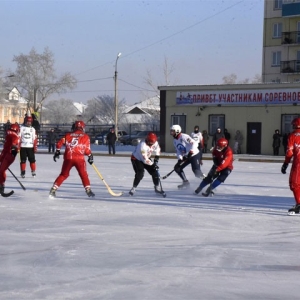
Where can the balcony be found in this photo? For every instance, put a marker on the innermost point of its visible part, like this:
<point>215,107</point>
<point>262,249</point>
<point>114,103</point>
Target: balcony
<point>290,66</point>
<point>290,38</point>
<point>290,8</point>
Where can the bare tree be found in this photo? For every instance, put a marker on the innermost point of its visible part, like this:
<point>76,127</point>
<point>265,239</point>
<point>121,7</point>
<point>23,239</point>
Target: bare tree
<point>101,110</point>
<point>232,79</point>
<point>167,69</point>
<point>60,111</point>
<point>35,75</point>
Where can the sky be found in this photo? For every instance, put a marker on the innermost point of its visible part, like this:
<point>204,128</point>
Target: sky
<point>202,40</point>
<point>238,244</point>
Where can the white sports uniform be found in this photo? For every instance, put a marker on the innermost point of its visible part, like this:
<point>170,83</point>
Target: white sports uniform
<point>185,144</point>
<point>143,152</point>
<point>198,138</point>
<point>28,137</point>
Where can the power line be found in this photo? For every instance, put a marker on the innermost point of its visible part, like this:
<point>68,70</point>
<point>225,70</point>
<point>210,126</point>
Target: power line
<point>168,37</point>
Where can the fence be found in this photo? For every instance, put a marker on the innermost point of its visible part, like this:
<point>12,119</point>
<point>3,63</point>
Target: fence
<point>91,130</point>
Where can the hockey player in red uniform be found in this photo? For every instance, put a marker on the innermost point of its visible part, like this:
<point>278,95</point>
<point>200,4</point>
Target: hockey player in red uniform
<point>293,151</point>
<point>77,145</point>
<point>223,165</point>
<point>9,152</point>
<point>28,146</point>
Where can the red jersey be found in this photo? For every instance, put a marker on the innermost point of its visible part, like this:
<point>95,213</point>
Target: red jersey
<point>293,151</point>
<point>12,139</point>
<point>223,159</point>
<point>77,145</point>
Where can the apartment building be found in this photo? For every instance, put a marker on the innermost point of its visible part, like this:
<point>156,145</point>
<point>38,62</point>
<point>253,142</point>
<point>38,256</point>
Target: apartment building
<point>281,41</point>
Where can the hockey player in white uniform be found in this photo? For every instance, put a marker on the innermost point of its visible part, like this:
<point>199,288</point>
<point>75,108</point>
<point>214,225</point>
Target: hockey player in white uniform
<point>187,153</point>
<point>197,137</point>
<point>141,161</point>
<point>28,141</point>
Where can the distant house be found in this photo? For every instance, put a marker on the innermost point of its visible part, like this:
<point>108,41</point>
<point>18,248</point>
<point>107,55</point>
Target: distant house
<point>136,112</point>
<point>12,106</point>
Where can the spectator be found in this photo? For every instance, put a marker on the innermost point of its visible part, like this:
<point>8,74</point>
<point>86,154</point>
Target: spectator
<point>227,135</point>
<point>205,140</point>
<point>111,141</point>
<point>218,134</point>
<point>285,141</point>
<point>6,126</point>
<point>36,124</point>
<point>52,137</point>
<point>276,142</point>
<point>238,141</point>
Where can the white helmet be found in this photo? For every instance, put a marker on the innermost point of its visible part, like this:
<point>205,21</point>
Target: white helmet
<point>176,128</point>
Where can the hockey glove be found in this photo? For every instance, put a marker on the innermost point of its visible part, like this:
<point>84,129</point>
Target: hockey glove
<point>189,155</point>
<point>14,151</point>
<point>56,155</point>
<point>155,163</point>
<point>283,168</point>
<point>178,165</point>
<point>91,159</point>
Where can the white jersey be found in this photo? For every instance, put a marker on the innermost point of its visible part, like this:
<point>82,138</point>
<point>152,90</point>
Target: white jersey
<point>27,137</point>
<point>197,137</point>
<point>143,152</point>
<point>185,144</point>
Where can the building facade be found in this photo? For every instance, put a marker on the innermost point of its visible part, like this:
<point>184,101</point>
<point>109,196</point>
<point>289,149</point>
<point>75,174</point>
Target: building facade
<point>256,110</point>
<point>281,41</point>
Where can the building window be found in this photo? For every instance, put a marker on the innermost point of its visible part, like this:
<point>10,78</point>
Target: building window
<point>286,121</point>
<point>215,121</point>
<point>277,30</point>
<point>277,4</point>
<point>179,120</point>
<point>276,58</point>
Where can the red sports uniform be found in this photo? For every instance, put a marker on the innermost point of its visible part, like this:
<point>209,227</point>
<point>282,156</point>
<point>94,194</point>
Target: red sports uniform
<point>293,150</point>
<point>10,149</point>
<point>223,159</point>
<point>77,144</point>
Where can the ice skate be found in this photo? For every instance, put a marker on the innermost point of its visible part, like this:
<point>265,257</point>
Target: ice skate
<point>197,190</point>
<point>294,210</point>
<point>208,192</point>
<point>185,184</point>
<point>158,190</point>
<point>132,191</point>
<point>33,173</point>
<point>23,174</point>
<point>52,193</point>
<point>89,193</point>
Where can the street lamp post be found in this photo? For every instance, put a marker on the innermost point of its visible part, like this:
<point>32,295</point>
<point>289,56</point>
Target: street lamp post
<point>116,95</point>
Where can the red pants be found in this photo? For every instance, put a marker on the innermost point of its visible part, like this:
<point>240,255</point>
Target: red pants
<point>80,166</point>
<point>6,160</point>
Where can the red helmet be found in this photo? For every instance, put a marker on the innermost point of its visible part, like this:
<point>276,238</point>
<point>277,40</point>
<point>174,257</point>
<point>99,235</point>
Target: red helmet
<point>151,138</point>
<point>221,144</point>
<point>15,127</point>
<point>296,123</point>
<point>28,120</point>
<point>79,125</point>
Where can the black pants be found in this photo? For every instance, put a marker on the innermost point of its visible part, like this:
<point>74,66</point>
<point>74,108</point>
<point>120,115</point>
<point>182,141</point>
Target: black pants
<point>51,147</point>
<point>276,150</point>
<point>139,168</point>
<point>112,148</point>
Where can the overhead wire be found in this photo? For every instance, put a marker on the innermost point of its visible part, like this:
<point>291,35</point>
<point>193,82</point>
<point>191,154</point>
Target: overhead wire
<point>160,41</point>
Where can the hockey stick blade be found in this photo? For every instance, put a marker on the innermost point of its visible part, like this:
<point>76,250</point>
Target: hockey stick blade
<point>107,186</point>
<point>166,176</point>
<point>5,195</point>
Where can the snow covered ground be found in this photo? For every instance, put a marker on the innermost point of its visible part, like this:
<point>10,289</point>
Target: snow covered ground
<point>239,244</point>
